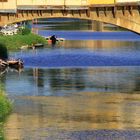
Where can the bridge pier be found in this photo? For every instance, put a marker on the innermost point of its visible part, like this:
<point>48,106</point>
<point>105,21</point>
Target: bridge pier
<point>96,26</point>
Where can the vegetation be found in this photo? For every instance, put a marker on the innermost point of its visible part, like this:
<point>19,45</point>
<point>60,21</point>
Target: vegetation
<point>24,31</point>
<point>23,37</point>
<point>1,132</point>
<point>5,107</point>
<point>18,40</point>
<point>3,52</point>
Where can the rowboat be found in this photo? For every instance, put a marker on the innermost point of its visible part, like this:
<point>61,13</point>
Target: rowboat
<point>15,63</point>
<point>3,64</point>
<point>38,45</point>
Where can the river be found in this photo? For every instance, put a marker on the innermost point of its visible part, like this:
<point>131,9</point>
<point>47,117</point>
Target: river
<point>85,88</point>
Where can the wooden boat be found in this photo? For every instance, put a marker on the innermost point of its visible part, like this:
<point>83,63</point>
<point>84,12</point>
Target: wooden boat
<point>3,70</point>
<point>35,46</point>
<point>15,63</point>
<point>38,45</point>
<point>3,64</point>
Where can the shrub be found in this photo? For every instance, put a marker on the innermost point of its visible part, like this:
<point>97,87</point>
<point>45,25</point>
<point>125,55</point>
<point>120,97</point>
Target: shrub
<point>16,41</point>
<point>5,107</point>
<point>1,133</point>
<point>3,52</point>
<point>26,31</point>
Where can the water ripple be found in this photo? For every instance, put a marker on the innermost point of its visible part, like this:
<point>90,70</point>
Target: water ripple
<point>72,58</point>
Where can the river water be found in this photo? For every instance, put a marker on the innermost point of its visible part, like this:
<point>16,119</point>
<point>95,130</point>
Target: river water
<point>85,88</point>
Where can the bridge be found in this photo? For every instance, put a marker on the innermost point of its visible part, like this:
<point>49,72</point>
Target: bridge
<point>126,15</point>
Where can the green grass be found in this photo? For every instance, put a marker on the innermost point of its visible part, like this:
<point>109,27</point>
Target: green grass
<point>5,107</point>
<point>3,52</point>
<point>1,133</point>
<point>16,41</point>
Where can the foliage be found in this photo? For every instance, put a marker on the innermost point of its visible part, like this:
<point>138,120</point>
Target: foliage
<point>3,51</point>
<point>1,133</point>
<point>24,31</point>
<point>5,106</point>
<point>18,40</point>
<point>5,109</point>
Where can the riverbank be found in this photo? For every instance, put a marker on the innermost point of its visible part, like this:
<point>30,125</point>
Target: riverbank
<point>5,109</point>
<point>16,41</point>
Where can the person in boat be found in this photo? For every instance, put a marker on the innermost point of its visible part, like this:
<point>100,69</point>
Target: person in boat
<point>53,39</point>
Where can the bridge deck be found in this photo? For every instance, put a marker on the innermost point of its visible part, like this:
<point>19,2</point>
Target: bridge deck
<point>49,7</point>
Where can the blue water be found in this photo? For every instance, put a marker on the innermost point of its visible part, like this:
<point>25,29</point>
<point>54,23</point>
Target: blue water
<point>79,58</point>
<point>86,35</point>
<point>75,90</point>
<point>62,57</point>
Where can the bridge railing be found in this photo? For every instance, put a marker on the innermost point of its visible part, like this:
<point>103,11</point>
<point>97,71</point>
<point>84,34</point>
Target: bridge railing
<point>11,6</point>
<point>51,4</point>
<point>8,6</point>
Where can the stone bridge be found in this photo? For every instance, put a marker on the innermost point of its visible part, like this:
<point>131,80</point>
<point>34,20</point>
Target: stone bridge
<point>123,15</point>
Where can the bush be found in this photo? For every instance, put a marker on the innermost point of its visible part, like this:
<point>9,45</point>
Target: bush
<point>16,41</point>
<point>3,52</point>
<point>26,31</point>
<point>1,133</point>
<point>5,107</point>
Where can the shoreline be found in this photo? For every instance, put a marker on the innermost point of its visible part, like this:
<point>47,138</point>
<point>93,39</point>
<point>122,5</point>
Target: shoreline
<point>15,42</point>
<point>5,109</point>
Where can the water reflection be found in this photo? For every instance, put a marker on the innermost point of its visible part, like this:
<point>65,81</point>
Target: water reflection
<point>60,82</point>
<point>63,24</point>
<point>42,117</point>
<point>76,102</point>
<point>102,45</point>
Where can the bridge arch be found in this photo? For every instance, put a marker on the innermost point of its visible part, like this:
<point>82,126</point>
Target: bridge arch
<point>124,18</point>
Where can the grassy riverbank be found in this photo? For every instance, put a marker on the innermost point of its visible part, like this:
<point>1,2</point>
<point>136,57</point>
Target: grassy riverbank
<point>1,132</point>
<point>18,40</point>
<point>5,109</point>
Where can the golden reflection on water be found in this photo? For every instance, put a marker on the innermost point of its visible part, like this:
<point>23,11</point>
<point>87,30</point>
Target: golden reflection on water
<point>36,117</point>
<point>99,44</point>
<point>39,116</point>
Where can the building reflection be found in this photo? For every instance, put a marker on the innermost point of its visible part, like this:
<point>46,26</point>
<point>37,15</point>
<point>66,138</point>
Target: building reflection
<point>100,45</point>
<point>50,101</point>
<point>105,80</point>
<point>40,117</point>
<point>72,100</point>
<point>53,81</point>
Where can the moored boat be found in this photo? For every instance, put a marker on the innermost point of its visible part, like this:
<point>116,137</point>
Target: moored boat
<point>38,45</point>
<point>3,64</point>
<point>15,63</point>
